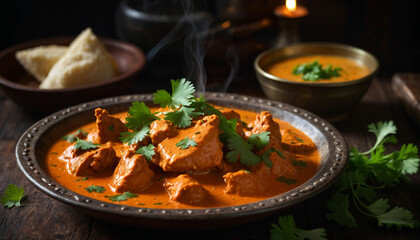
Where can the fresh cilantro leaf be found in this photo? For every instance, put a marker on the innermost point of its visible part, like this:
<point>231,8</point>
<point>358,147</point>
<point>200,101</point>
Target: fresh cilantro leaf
<point>186,143</point>
<point>240,149</point>
<point>300,140</point>
<point>286,229</point>
<point>85,145</point>
<point>12,196</point>
<point>122,197</point>
<point>299,163</point>
<point>259,140</point>
<point>182,91</point>
<point>265,157</point>
<point>134,137</point>
<point>139,115</point>
<point>71,138</point>
<point>378,207</point>
<point>201,105</point>
<point>366,193</point>
<point>313,71</point>
<point>82,179</point>
<point>398,217</point>
<point>182,117</point>
<point>53,165</point>
<point>381,130</point>
<point>147,151</point>
<point>288,181</point>
<point>339,207</point>
<point>94,188</point>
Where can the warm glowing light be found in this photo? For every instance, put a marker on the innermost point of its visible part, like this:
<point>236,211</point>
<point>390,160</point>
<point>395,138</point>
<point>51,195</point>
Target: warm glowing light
<point>291,5</point>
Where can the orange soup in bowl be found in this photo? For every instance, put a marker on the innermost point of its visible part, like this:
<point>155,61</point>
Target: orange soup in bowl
<point>319,68</point>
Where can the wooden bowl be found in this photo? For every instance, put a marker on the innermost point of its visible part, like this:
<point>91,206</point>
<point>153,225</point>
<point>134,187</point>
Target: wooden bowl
<point>23,89</point>
<point>330,100</point>
<point>32,149</point>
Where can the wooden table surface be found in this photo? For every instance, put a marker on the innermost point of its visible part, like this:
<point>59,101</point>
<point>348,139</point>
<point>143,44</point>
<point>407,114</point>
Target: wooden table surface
<point>42,217</point>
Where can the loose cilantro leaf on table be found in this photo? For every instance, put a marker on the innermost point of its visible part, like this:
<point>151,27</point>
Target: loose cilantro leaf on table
<point>94,188</point>
<point>122,197</point>
<point>371,170</point>
<point>147,151</point>
<point>186,143</point>
<point>12,196</point>
<point>313,71</point>
<point>286,229</point>
<point>85,145</point>
<point>71,138</point>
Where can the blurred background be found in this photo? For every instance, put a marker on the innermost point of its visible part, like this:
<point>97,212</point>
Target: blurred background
<point>389,29</point>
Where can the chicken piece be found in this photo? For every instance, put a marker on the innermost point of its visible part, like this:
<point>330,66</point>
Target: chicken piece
<point>296,142</point>
<point>206,154</point>
<point>185,189</point>
<point>230,114</point>
<point>282,166</point>
<point>132,173</point>
<point>264,123</point>
<point>89,162</point>
<point>108,128</point>
<point>160,130</point>
<point>244,183</point>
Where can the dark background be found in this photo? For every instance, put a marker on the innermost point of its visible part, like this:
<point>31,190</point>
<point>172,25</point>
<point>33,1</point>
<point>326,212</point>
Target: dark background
<point>390,29</point>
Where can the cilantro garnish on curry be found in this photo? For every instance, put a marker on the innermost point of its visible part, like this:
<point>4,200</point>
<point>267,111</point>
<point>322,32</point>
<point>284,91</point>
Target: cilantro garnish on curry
<point>183,153</point>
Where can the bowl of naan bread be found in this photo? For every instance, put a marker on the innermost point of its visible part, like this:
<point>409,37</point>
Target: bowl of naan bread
<point>49,74</point>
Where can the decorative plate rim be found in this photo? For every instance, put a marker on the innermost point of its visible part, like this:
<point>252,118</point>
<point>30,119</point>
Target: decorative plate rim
<point>325,176</point>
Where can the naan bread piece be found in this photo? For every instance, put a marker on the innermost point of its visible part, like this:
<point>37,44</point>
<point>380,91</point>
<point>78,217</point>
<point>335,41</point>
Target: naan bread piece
<point>86,62</point>
<point>38,61</point>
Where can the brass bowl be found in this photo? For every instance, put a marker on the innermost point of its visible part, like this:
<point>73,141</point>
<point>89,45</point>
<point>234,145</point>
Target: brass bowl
<point>332,100</point>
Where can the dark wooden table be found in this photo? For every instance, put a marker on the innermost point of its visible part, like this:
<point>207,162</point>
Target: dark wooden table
<point>41,217</point>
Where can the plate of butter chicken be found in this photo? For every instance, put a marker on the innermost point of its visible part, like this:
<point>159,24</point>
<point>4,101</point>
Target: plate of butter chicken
<point>180,158</point>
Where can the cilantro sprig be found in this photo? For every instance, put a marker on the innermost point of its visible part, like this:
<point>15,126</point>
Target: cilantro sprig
<point>186,143</point>
<point>71,138</point>
<point>243,150</point>
<point>313,71</point>
<point>286,229</point>
<point>12,196</point>
<point>121,197</point>
<point>185,106</point>
<point>147,151</point>
<point>95,188</point>
<point>85,145</point>
<point>371,170</point>
<point>139,118</point>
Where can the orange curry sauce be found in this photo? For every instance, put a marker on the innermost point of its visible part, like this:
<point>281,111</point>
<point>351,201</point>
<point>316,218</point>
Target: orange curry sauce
<point>156,196</point>
<point>351,69</point>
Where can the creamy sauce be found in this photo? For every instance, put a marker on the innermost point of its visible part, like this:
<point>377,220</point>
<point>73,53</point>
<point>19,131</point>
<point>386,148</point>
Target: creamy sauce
<point>156,196</point>
<point>352,69</point>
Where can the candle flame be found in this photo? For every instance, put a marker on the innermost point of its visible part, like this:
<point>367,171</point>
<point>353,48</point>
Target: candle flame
<point>291,5</point>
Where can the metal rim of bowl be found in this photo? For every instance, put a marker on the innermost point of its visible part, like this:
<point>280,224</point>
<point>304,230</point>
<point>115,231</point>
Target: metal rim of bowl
<point>326,175</point>
<point>106,41</point>
<point>320,44</point>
